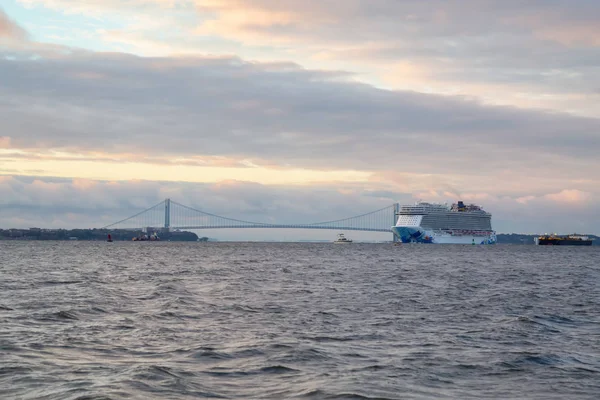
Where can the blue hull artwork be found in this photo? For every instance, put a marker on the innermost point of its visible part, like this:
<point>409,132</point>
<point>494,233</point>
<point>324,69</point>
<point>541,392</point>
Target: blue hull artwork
<point>411,235</point>
<point>419,235</point>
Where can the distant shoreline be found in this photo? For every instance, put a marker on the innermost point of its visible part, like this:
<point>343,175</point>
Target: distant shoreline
<point>185,236</point>
<point>94,234</point>
<point>522,239</point>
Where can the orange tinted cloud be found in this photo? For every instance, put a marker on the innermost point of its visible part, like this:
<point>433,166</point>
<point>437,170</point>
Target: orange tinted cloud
<point>9,29</point>
<point>580,30</point>
<point>586,35</point>
<point>574,197</point>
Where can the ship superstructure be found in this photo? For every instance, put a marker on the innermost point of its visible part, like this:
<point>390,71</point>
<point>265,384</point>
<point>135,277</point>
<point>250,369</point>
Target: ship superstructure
<point>439,223</point>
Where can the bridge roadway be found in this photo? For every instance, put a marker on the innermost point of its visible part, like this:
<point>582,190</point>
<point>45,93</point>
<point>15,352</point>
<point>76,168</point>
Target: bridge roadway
<point>340,228</point>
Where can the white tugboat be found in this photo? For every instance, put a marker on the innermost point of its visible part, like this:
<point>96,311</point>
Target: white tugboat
<point>342,239</point>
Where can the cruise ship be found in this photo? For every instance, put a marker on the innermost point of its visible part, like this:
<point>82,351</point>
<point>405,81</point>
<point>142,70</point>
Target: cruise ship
<point>443,224</point>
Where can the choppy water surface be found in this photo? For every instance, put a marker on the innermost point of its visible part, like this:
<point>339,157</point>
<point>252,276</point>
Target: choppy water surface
<point>309,321</point>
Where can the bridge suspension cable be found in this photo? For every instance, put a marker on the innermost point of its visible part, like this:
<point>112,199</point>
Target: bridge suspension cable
<point>142,219</point>
<point>212,218</point>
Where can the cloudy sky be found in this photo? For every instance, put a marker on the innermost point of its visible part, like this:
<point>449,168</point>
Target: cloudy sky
<point>262,109</point>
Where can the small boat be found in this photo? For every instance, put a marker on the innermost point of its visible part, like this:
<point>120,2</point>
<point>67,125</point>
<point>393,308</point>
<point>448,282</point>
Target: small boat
<point>109,238</point>
<point>342,239</point>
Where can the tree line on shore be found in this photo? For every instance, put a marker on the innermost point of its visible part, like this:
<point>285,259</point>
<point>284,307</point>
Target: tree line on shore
<point>94,234</point>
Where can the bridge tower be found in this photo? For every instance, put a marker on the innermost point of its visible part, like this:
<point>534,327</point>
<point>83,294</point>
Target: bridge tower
<point>395,219</point>
<point>167,213</point>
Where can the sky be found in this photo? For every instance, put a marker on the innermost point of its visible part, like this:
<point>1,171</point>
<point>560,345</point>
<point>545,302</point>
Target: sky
<point>266,109</point>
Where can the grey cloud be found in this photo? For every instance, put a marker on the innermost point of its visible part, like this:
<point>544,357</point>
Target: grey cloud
<point>291,116</point>
<point>376,19</point>
<point>550,46</point>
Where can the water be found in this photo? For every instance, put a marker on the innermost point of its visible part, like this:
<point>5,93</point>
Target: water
<point>306,321</point>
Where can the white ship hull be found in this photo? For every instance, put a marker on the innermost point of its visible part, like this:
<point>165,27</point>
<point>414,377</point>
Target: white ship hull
<point>415,234</point>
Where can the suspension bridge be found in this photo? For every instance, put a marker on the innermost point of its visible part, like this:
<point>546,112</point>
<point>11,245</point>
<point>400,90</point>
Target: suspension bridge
<point>171,215</point>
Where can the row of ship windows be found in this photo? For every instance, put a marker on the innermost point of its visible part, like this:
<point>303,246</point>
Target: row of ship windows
<point>430,222</point>
<point>438,212</point>
<point>409,220</point>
